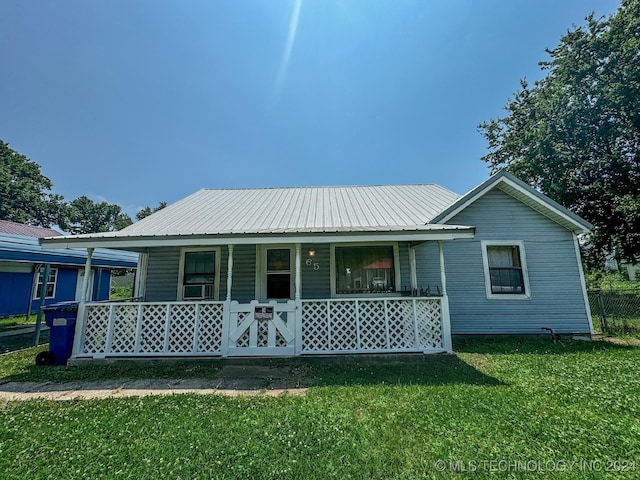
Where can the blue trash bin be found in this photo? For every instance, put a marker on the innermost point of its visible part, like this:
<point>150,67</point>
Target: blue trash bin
<point>61,319</point>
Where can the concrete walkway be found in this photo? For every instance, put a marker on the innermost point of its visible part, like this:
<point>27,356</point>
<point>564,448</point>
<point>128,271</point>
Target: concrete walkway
<point>231,380</point>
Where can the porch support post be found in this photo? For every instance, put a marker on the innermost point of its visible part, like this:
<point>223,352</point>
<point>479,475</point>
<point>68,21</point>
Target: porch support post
<point>297,346</point>
<point>412,270</point>
<point>226,308</point>
<point>444,307</point>
<point>80,320</point>
<point>298,273</point>
<point>87,274</point>
<point>140,278</point>
<point>229,272</point>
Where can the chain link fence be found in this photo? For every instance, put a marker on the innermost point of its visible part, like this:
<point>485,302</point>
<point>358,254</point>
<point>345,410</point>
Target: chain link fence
<point>615,311</point>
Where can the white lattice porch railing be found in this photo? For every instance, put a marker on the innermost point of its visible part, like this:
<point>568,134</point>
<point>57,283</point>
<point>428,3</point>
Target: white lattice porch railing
<point>372,325</point>
<point>150,329</point>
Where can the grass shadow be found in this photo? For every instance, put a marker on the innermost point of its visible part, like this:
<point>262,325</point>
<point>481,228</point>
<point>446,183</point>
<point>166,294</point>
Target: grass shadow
<point>436,370</point>
<point>280,372</point>
<point>512,344</point>
<point>24,369</point>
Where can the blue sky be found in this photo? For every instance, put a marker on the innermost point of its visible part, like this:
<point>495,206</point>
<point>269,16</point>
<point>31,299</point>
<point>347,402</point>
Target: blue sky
<point>138,101</point>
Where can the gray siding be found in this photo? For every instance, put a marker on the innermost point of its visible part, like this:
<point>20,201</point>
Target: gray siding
<point>316,283</point>
<point>428,267</point>
<point>164,264</point>
<point>162,274</point>
<point>557,299</point>
<point>243,287</point>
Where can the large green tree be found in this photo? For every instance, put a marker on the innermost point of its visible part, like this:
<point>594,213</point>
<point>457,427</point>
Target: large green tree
<point>83,215</point>
<point>25,198</point>
<point>24,191</point>
<point>575,134</point>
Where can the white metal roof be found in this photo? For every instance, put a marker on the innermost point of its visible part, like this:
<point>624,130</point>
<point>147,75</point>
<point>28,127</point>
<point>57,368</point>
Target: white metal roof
<point>294,210</point>
<point>268,215</point>
<point>297,210</point>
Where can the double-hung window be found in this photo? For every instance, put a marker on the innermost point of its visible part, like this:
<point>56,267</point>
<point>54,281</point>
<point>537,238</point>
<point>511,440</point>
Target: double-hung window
<point>49,284</point>
<point>505,270</point>
<point>364,269</point>
<point>199,273</point>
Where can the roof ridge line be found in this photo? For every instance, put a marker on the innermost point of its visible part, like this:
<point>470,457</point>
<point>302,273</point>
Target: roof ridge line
<point>325,186</point>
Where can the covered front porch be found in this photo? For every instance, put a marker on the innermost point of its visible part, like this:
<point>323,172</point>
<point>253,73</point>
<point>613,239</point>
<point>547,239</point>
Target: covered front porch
<point>407,319</point>
<point>331,297</point>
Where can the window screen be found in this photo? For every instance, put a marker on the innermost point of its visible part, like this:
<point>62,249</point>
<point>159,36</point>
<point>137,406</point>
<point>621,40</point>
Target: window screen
<point>199,274</point>
<point>365,270</point>
<point>505,269</point>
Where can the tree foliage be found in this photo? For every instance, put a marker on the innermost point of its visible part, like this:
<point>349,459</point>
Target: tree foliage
<point>25,198</point>
<point>83,215</point>
<point>24,191</point>
<point>146,211</point>
<point>575,134</point>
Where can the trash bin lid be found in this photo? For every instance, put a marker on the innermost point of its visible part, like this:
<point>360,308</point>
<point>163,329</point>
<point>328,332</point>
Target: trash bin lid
<point>61,306</point>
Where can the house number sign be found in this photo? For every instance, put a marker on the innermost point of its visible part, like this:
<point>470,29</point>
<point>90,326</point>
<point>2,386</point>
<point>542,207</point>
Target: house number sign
<point>310,262</point>
<point>263,313</point>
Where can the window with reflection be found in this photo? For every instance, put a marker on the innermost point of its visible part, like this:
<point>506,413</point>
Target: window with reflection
<point>365,269</point>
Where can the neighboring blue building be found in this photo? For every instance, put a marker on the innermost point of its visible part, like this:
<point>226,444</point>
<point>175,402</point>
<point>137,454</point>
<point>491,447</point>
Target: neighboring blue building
<point>23,261</point>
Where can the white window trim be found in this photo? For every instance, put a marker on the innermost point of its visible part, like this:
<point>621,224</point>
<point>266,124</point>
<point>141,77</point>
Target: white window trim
<point>396,265</point>
<point>216,280</point>
<point>44,285</point>
<point>261,271</point>
<point>525,272</point>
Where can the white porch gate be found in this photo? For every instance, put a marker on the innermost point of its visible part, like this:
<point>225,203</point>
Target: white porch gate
<point>272,333</point>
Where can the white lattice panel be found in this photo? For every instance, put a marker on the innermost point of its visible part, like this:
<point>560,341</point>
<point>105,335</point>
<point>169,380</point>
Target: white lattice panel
<point>263,333</point>
<point>210,329</point>
<point>153,329</point>
<point>372,331</point>
<point>125,319</point>
<point>429,324</point>
<point>243,341</point>
<point>343,334</point>
<point>315,326</point>
<point>401,327</point>
<point>372,325</point>
<point>182,328</point>
<point>96,327</point>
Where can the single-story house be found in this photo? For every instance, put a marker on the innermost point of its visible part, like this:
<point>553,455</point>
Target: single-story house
<point>26,269</point>
<point>332,270</point>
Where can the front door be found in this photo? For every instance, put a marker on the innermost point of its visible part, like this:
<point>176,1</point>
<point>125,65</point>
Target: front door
<point>275,277</point>
<point>262,329</point>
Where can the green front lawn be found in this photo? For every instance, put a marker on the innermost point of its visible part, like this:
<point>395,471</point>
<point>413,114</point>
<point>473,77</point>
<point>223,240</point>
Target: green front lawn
<point>504,408</point>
